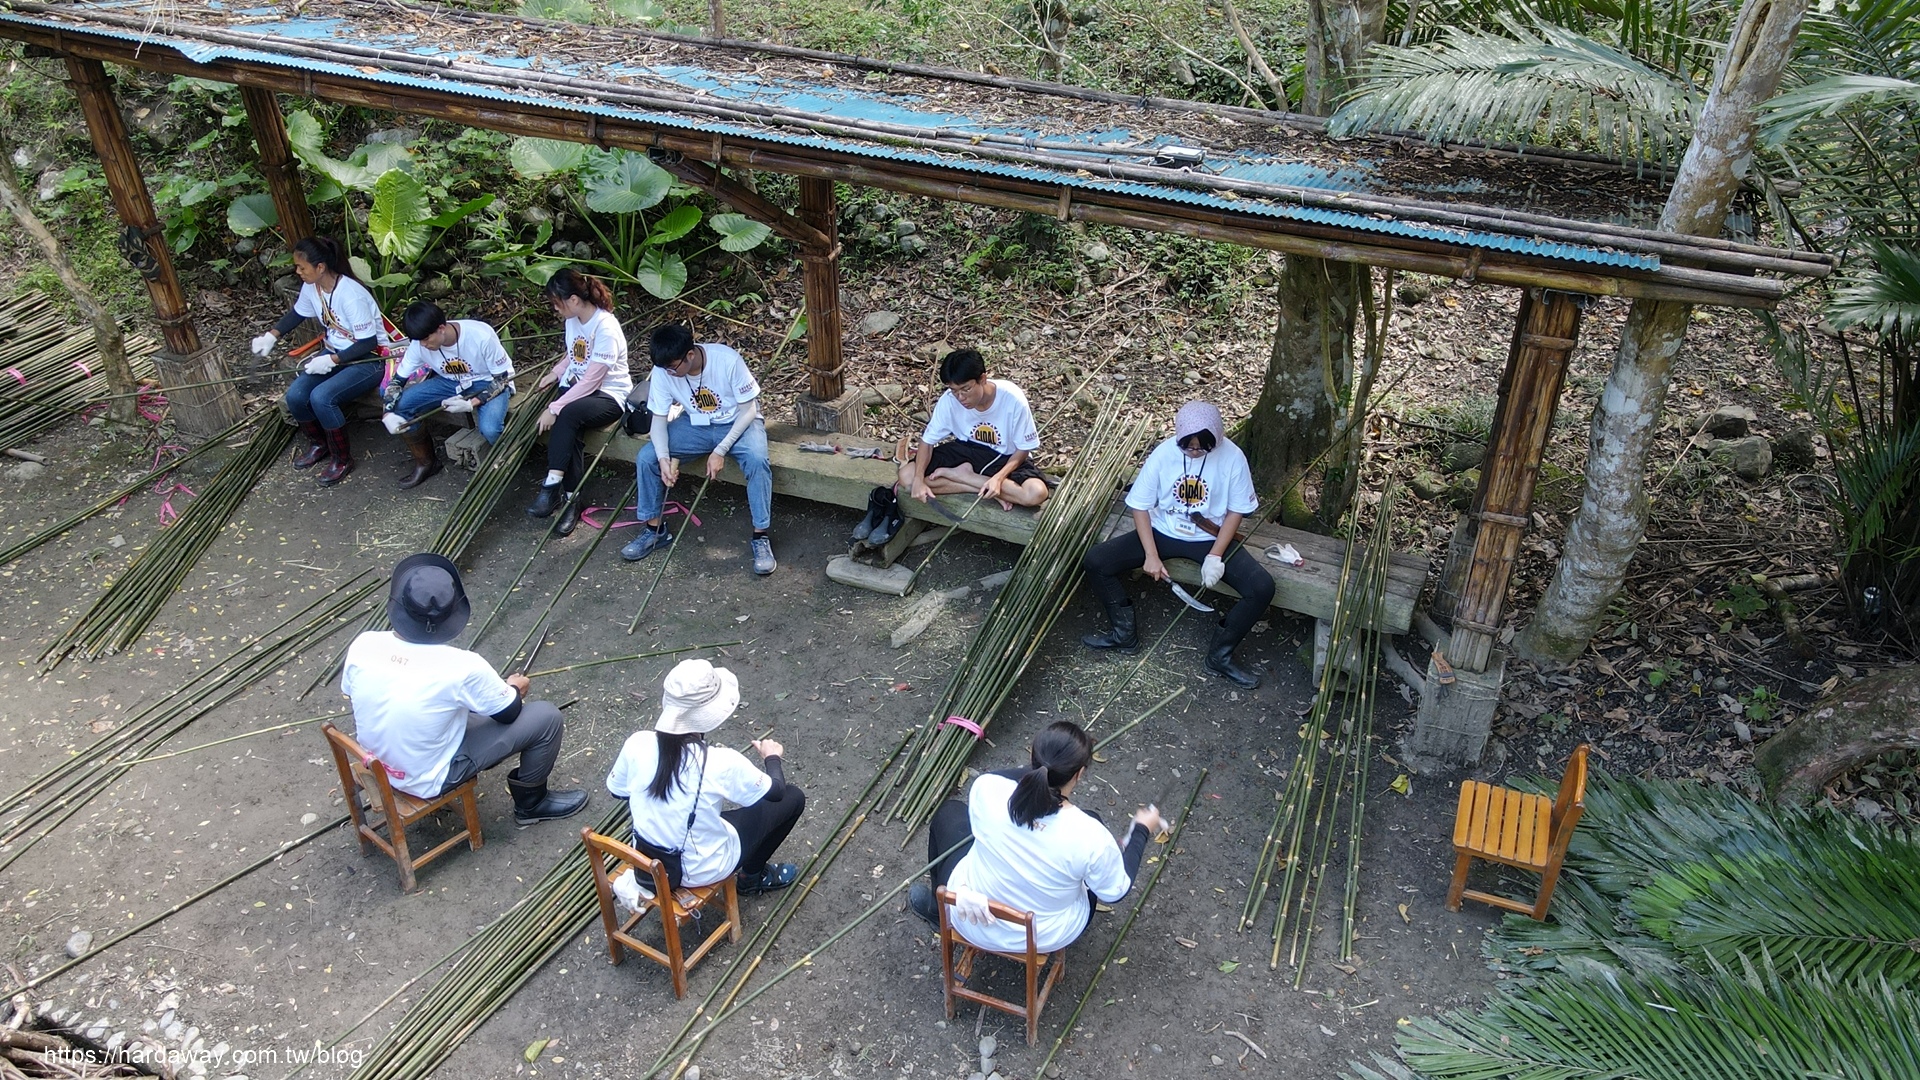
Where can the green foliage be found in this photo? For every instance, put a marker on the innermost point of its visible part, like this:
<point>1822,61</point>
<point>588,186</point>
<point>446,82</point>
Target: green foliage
<point>1201,272</point>
<point>1742,601</point>
<point>1697,933</point>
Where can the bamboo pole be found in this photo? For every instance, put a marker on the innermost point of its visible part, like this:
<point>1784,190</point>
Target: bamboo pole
<point>629,657</point>
<point>667,557</point>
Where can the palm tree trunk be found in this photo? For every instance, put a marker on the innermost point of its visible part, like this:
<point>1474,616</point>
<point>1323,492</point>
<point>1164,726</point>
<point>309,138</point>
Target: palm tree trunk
<point>106,332</point>
<point>1613,511</point>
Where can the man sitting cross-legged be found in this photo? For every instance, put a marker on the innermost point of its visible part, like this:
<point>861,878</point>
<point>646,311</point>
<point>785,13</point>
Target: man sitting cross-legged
<point>980,439</point>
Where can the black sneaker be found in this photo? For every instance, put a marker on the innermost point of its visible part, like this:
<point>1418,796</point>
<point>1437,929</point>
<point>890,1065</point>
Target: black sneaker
<point>921,902</point>
<point>877,504</point>
<point>777,875</point>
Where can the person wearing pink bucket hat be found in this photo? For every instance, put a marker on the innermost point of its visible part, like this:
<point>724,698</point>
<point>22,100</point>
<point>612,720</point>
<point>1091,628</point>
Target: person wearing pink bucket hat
<point>1187,503</point>
<point>675,782</point>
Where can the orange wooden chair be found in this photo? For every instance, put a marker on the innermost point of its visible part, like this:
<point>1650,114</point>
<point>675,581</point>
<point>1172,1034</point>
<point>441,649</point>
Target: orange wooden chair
<point>1520,830</point>
<point>679,906</point>
<point>361,771</point>
<point>957,957</point>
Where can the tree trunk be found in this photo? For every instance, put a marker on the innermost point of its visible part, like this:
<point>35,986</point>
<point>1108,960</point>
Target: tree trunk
<point>1613,510</point>
<point>124,406</point>
<point>1851,726</point>
<point>1311,365</point>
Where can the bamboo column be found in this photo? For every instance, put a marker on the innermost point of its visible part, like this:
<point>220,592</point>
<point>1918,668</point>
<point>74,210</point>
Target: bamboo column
<point>203,410</point>
<point>822,409</point>
<point>1543,340</point>
<point>277,162</point>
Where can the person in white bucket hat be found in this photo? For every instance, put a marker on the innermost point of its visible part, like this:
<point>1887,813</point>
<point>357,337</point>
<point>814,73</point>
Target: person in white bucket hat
<point>675,783</point>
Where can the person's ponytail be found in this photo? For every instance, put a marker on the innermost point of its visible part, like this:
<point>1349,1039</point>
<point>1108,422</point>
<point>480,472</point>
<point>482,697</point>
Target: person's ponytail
<point>1059,753</point>
<point>570,282</point>
<point>327,253</point>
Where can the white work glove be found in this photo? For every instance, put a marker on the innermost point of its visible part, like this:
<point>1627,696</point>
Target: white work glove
<point>394,422</point>
<point>263,344</point>
<point>1212,570</point>
<point>457,404</point>
<point>320,365</point>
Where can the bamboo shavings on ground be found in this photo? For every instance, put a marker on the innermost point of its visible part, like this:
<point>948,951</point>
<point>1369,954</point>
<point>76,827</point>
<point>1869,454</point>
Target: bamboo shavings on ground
<point>122,613</point>
<point>1329,775</point>
<point>1042,584</point>
<point>47,368</point>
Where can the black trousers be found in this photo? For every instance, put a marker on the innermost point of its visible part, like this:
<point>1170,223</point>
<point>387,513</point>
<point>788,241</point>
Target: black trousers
<point>764,826</point>
<point>564,449</point>
<point>1105,562</point>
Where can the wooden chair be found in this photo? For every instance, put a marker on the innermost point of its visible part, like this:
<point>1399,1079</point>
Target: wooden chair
<point>957,957</point>
<point>680,905</point>
<point>1519,830</point>
<point>361,771</point>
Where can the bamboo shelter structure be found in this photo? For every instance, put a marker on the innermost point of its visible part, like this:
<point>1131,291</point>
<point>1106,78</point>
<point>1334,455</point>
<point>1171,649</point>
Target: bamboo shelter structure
<point>1556,227</point>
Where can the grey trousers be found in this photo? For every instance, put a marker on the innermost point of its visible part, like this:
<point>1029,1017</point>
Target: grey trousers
<point>534,735</point>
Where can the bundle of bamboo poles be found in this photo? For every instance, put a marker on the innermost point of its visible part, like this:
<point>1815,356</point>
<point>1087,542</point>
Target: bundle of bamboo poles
<point>122,613</point>
<point>60,792</point>
<point>49,369</point>
<point>1042,583</point>
<point>1326,790</point>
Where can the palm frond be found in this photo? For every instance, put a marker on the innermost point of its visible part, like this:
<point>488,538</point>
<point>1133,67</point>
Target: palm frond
<point>1635,830</point>
<point>1590,935</point>
<point>1535,84</point>
<point>1785,113</point>
<point>1713,1026</point>
<point>1878,475</point>
<point>1885,299</point>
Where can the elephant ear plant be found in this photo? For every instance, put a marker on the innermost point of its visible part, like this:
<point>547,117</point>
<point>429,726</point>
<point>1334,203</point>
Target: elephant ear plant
<point>634,209</point>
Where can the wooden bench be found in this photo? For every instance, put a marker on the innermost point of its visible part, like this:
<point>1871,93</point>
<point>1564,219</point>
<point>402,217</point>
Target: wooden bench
<point>846,481</point>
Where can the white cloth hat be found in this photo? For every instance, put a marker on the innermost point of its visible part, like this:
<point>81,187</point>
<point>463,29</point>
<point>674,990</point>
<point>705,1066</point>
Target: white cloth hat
<point>697,697</point>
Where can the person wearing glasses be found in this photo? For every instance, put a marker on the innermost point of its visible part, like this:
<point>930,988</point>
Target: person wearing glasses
<point>1187,503</point>
<point>594,382</point>
<point>719,417</point>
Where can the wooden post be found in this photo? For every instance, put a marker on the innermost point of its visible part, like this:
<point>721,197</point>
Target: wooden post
<point>202,410</point>
<point>824,407</point>
<point>1543,340</point>
<point>277,162</point>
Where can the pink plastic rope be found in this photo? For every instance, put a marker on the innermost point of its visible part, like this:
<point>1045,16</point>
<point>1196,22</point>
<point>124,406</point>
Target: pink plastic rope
<point>586,515</point>
<point>15,372</point>
<point>82,365</point>
<point>676,508</point>
<point>964,724</point>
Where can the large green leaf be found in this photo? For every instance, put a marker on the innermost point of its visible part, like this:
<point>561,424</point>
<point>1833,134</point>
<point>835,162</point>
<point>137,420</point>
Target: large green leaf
<point>738,232</point>
<point>308,141</point>
<point>623,182</point>
<point>250,214</point>
<point>662,273</point>
<point>575,11</point>
<point>381,157</point>
<point>305,135</point>
<point>675,225</point>
<point>446,219</point>
<point>641,11</point>
<point>534,158</point>
<point>397,222</point>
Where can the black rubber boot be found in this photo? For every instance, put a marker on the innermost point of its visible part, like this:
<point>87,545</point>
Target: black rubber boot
<point>316,451</point>
<point>545,503</point>
<point>1123,636</point>
<point>533,802</point>
<point>1220,661</point>
<point>425,462</point>
<point>569,515</point>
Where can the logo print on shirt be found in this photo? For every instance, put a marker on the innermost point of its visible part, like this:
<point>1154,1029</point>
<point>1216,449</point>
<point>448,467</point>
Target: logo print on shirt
<point>1191,492</point>
<point>706,400</point>
<point>984,432</point>
<point>456,366</point>
<point>579,350</point>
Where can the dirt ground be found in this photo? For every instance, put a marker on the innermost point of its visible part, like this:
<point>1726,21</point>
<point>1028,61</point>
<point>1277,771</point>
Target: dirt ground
<point>295,953</point>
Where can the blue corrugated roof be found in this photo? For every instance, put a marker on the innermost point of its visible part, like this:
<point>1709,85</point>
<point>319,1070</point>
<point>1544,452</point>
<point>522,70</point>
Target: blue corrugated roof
<point>909,110</point>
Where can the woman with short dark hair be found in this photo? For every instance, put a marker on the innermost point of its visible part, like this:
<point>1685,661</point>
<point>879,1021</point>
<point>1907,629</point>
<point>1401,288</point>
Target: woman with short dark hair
<point>1024,844</point>
<point>348,367</point>
<point>594,382</point>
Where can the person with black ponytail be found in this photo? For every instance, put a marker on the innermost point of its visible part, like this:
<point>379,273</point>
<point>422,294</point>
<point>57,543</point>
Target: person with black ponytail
<point>594,382</point>
<point>1023,843</point>
<point>348,367</point>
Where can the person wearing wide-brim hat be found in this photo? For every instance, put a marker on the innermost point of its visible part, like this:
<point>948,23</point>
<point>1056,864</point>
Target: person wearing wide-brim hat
<point>675,782</point>
<point>1187,502</point>
<point>437,715</point>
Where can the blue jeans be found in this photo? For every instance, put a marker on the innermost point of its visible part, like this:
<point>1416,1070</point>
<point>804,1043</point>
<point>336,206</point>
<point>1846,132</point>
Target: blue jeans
<point>319,397</point>
<point>490,418</point>
<point>686,441</point>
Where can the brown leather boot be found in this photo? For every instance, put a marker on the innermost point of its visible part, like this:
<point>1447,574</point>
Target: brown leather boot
<point>340,456</point>
<point>316,451</point>
<point>425,461</point>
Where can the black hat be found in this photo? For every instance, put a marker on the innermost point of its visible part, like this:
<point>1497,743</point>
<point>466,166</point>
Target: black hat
<point>426,603</point>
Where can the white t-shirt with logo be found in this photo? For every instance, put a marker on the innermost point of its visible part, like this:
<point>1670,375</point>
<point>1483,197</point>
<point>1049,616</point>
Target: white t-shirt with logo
<point>1046,869</point>
<point>711,849</point>
<point>712,397</point>
<point>474,356</point>
<point>1171,485</point>
<point>1006,424</point>
<point>347,314</point>
<point>410,704</point>
<point>599,340</point>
